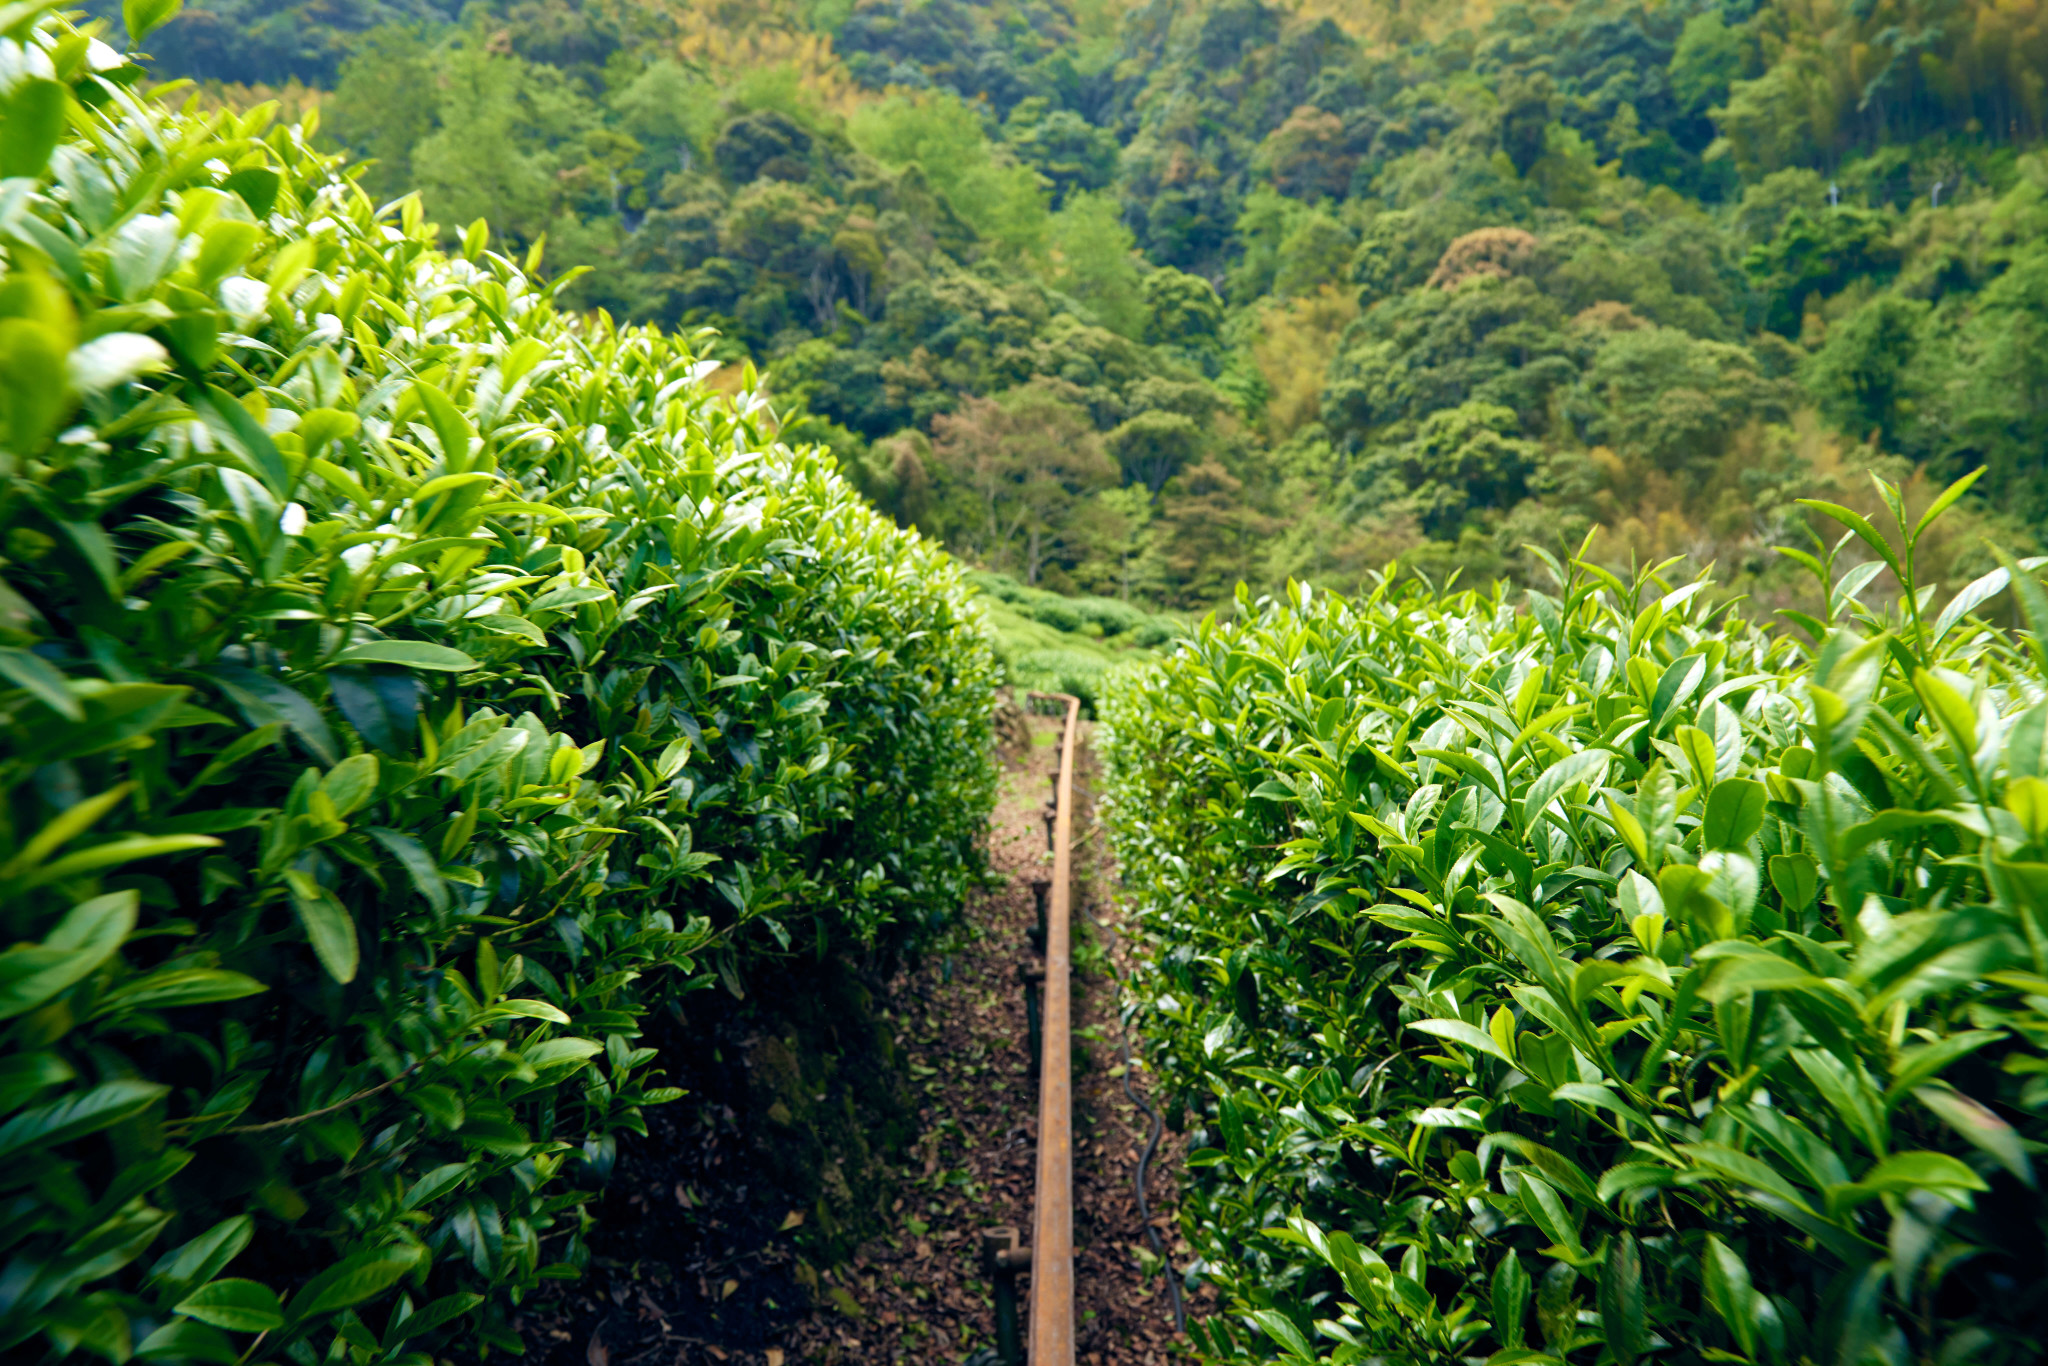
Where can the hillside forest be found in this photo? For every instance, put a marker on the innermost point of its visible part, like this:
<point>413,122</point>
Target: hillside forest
<point>1140,301</point>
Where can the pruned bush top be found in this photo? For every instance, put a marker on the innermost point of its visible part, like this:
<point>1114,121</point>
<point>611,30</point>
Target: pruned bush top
<point>403,686</point>
<point>1603,978</point>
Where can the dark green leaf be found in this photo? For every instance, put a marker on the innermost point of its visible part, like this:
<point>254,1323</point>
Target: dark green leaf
<point>1731,1294</point>
<point>144,17</point>
<point>26,669</point>
<point>184,1340</point>
<point>419,865</point>
<point>75,1116</point>
<point>258,187</point>
<point>409,654</point>
<point>1678,682</point>
<point>437,1182</point>
<point>203,1257</point>
<point>1510,1299</point>
<point>267,701</point>
<point>382,704</point>
<point>1622,1311</point>
<point>330,929</point>
<point>240,1306</point>
<point>31,121</point>
<point>1281,1329</point>
<point>230,421</point>
<point>1862,528</point>
<point>24,1076</point>
<point>174,987</point>
<point>1980,1127</point>
<point>431,1316</point>
<point>1735,812</point>
<point>353,1280</point>
<point>88,936</point>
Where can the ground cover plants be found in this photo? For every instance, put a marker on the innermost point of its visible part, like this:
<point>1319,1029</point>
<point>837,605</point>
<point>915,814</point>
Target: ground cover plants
<point>1054,643</point>
<point>405,687</point>
<point>1599,976</point>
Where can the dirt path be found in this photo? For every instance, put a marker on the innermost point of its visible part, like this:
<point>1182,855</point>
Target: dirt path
<point>696,1261</point>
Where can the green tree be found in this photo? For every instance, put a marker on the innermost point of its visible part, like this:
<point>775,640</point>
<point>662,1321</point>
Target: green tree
<point>1020,465</point>
<point>1261,227</point>
<point>762,142</point>
<point>1400,247</point>
<point>1528,104</point>
<point>508,129</point>
<point>1207,534</point>
<point>1308,156</point>
<point>1155,445</point>
<point>1709,55</point>
<point>1818,254</point>
<point>1464,459</point>
<point>1488,339</point>
<point>1673,400</point>
<point>1114,530</point>
<point>671,111</point>
<point>1095,260</point>
<point>386,103</point>
<point>778,227</point>
<point>1181,309</point>
<point>1860,376</point>
<point>1768,122</point>
<point>1316,251</point>
<point>1994,387</point>
<point>943,135</point>
<point>1070,152</point>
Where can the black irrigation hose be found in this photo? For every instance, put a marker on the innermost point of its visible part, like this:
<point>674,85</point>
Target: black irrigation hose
<point>1180,1314</point>
<point>1180,1322</point>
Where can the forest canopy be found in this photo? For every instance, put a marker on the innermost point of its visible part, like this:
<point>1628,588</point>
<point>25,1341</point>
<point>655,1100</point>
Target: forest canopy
<point>1142,300</point>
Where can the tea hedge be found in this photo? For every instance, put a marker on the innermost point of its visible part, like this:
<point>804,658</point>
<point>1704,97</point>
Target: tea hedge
<point>407,686</point>
<point>1601,977</point>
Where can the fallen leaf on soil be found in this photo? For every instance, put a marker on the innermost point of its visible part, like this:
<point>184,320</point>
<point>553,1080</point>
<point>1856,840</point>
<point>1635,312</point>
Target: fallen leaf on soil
<point>597,1354</point>
<point>774,1356</point>
<point>795,1220</point>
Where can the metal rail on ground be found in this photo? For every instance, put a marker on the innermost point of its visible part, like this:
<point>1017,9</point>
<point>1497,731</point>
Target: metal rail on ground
<point>1050,1256</point>
<point>1052,1223</point>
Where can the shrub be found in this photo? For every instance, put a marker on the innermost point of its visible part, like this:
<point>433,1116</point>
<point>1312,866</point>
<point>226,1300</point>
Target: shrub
<point>1067,671</point>
<point>407,686</point>
<point>1603,979</point>
<point>1111,616</point>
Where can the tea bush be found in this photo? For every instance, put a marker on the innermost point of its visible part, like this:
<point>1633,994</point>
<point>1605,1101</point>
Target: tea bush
<point>407,686</point>
<point>1126,622</point>
<point>1608,980</point>
<point>1068,671</point>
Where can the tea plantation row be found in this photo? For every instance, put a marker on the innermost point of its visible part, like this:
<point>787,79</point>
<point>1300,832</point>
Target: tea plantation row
<point>1601,978</point>
<point>404,687</point>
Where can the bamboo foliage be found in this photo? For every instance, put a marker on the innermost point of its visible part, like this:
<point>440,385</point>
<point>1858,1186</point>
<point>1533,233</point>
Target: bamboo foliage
<point>1846,76</point>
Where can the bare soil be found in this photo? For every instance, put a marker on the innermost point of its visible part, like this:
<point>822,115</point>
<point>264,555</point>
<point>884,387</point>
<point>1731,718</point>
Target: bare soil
<point>702,1256</point>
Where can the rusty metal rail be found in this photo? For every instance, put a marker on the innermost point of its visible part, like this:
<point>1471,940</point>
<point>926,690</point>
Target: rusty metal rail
<point>1052,1223</point>
<point>1050,1257</point>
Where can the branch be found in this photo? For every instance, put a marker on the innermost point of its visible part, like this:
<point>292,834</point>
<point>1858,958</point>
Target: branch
<point>287,1123</point>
